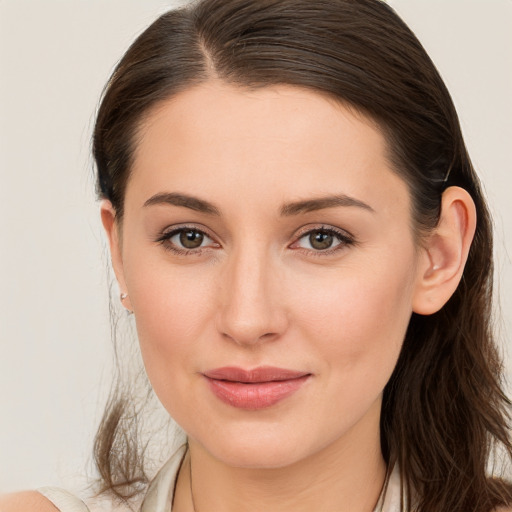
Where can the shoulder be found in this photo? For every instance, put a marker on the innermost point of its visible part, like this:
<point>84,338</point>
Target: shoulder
<point>26,501</point>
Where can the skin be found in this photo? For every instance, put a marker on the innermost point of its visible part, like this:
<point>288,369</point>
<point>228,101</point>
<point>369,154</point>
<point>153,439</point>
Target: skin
<point>26,501</point>
<point>258,292</point>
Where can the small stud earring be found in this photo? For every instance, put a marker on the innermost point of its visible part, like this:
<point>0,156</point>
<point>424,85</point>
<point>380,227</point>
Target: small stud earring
<point>123,296</point>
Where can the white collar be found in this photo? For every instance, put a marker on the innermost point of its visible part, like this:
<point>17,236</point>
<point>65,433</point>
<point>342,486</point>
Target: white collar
<point>161,490</point>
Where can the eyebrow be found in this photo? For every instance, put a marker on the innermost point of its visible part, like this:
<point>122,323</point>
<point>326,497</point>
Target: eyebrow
<point>288,209</point>
<point>311,205</point>
<point>184,200</point>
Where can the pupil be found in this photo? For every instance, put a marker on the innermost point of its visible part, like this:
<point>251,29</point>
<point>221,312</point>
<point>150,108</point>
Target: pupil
<point>191,239</point>
<point>320,240</point>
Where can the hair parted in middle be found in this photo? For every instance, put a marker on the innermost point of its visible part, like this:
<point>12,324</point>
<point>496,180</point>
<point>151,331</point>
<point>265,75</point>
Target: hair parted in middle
<point>444,409</point>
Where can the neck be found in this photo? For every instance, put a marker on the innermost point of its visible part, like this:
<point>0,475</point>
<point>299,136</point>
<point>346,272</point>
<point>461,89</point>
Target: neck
<point>346,476</point>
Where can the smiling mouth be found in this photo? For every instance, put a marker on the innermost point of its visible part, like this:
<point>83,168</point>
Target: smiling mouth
<point>254,389</point>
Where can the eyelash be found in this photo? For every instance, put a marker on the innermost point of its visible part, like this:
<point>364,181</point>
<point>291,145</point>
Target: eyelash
<point>165,240</point>
<point>344,238</point>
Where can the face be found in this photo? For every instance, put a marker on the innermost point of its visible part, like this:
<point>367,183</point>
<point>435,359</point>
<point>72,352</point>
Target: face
<point>269,258</point>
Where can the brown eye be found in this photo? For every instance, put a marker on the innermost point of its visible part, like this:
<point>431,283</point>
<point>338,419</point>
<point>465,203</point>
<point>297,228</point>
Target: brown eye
<point>321,240</point>
<point>186,240</point>
<point>191,239</point>
<point>324,240</point>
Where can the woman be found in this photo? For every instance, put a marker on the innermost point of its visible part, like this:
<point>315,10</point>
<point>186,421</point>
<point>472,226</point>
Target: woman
<point>296,225</point>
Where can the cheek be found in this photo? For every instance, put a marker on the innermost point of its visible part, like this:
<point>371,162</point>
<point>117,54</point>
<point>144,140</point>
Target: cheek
<point>358,319</point>
<point>173,308</point>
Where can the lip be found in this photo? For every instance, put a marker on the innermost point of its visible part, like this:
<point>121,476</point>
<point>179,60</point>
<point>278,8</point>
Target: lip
<point>254,389</point>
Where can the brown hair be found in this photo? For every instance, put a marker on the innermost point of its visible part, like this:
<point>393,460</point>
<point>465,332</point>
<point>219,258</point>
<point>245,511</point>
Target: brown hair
<point>444,411</point>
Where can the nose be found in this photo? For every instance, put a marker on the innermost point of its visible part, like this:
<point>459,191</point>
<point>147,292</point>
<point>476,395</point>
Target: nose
<point>252,310</point>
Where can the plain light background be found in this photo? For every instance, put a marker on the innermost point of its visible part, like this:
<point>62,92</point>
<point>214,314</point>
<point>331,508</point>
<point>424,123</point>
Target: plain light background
<point>55,57</point>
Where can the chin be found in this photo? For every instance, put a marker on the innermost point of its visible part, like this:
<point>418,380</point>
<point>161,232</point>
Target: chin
<point>259,446</point>
<point>265,454</point>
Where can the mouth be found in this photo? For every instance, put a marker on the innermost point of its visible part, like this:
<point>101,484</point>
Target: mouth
<point>254,389</point>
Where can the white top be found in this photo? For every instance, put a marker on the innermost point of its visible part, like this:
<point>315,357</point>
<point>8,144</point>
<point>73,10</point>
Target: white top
<point>161,490</point>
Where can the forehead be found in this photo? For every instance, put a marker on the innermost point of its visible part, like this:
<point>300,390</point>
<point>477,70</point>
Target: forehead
<point>272,142</point>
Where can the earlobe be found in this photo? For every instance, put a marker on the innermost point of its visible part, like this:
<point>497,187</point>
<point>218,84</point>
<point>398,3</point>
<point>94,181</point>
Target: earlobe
<point>445,252</point>
<point>108,219</point>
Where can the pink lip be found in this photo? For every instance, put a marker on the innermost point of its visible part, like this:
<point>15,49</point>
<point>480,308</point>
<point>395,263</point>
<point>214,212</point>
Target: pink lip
<point>254,389</point>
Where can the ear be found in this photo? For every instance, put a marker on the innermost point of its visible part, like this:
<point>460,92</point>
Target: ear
<point>445,252</point>
<point>112,228</point>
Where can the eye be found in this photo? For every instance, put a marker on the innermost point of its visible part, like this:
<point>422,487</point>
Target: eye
<point>189,238</point>
<point>186,239</point>
<point>323,240</point>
